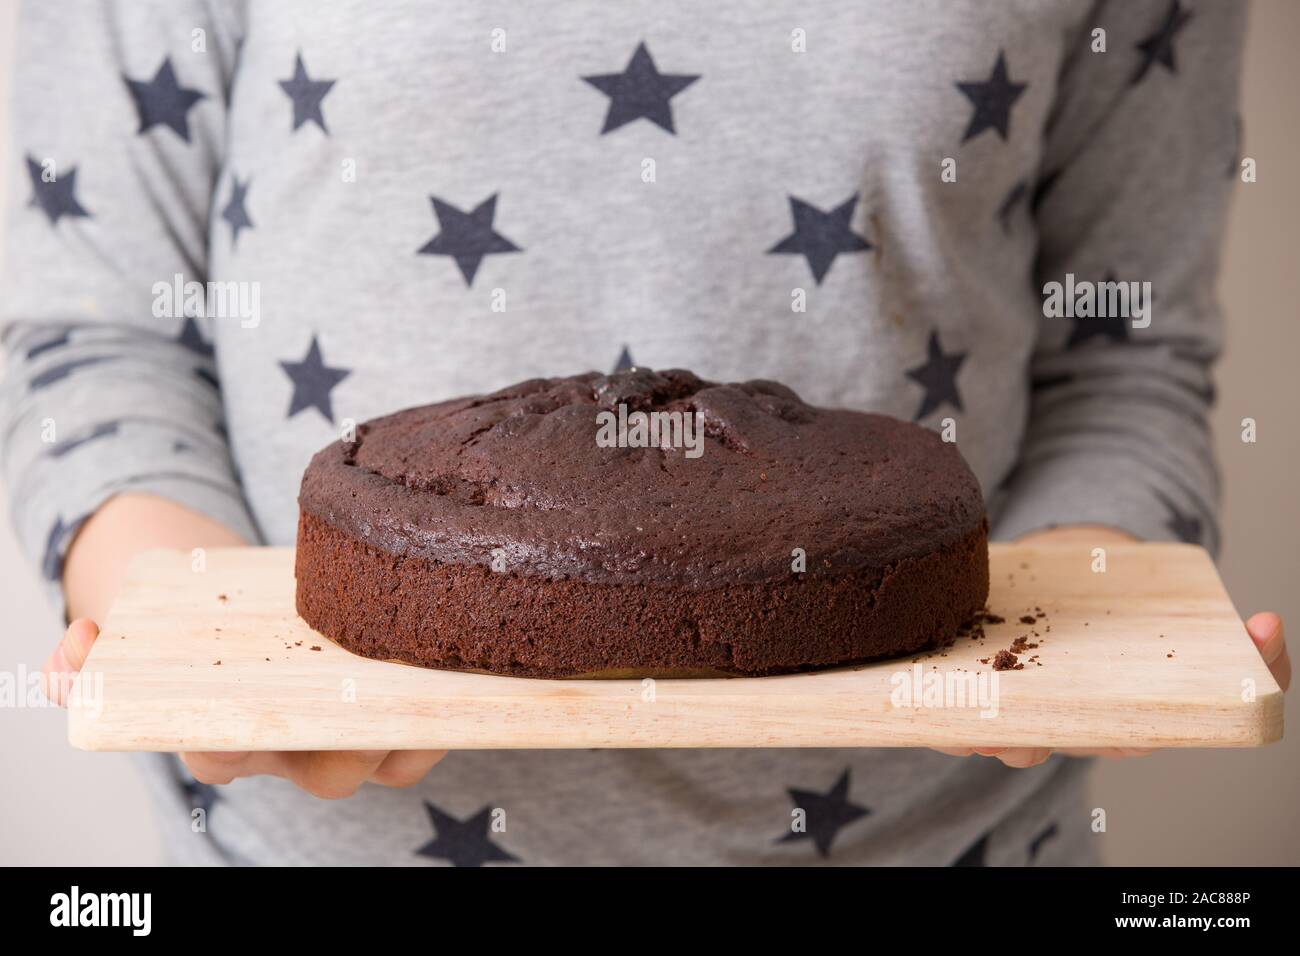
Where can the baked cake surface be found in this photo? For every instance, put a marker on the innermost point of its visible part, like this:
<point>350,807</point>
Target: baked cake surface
<point>494,533</point>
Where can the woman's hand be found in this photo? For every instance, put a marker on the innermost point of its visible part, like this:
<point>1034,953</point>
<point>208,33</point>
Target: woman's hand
<point>94,570</point>
<point>1265,629</point>
<point>328,774</point>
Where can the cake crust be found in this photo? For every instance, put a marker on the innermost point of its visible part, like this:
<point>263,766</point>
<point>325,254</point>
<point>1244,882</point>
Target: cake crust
<point>492,533</point>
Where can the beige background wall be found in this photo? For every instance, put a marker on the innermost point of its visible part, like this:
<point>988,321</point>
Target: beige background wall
<point>60,806</point>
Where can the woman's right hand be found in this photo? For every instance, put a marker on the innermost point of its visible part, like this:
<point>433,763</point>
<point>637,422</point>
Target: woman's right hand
<point>93,573</point>
<point>328,774</point>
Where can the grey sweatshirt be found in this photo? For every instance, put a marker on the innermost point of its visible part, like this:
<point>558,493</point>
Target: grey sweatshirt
<point>413,202</point>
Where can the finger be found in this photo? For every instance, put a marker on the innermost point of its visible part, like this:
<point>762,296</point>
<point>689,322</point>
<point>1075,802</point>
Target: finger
<point>56,682</point>
<point>1024,757</point>
<point>333,774</point>
<point>405,768</point>
<point>77,640</point>
<point>62,666</point>
<point>1266,630</point>
<point>218,767</point>
<point>327,774</point>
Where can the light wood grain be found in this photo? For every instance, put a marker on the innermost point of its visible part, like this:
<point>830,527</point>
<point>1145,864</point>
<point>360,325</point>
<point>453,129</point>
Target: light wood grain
<point>1106,677</point>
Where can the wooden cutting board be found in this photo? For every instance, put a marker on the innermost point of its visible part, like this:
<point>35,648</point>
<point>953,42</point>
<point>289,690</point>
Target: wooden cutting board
<point>1148,653</point>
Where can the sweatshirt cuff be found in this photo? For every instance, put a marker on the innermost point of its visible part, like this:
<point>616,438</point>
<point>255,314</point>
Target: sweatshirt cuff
<point>1116,491</point>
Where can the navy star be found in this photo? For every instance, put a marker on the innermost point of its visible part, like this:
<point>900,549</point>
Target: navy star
<point>192,339</point>
<point>466,236</point>
<point>235,212</point>
<point>825,814</point>
<point>974,855</point>
<point>640,92</point>
<point>162,101</point>
<point>467,843</point>
<point>307,95</point>
<point>312,382</point>
<point>820,236</point>
<point>1159,47</point>
<point>1113,328</point>
<point>55,197</point>
<point>625,362</point>
<point>52,560</point>
<point>938,376</point>
<point>992,99</point>
<point>1184,526</point>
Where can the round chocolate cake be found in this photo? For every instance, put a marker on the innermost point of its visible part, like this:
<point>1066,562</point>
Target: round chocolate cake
<point>534,532</point>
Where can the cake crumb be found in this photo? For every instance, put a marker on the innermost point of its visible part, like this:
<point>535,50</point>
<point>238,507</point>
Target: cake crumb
<point>1006,661</point>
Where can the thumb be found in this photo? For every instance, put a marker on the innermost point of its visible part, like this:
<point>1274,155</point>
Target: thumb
<point>1266,631</point>
<point>65,663</point>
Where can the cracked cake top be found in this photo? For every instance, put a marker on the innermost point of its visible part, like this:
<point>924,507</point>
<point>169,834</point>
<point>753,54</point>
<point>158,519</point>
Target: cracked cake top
<point>516,480</point>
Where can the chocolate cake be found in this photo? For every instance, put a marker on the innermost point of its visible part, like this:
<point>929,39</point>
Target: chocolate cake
<point>499,533</point>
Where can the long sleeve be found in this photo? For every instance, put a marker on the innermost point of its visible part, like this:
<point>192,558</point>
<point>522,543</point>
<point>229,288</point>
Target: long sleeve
<point>119,121</point>
<point>1137,171</point>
